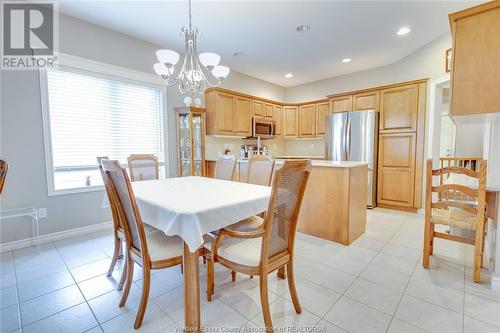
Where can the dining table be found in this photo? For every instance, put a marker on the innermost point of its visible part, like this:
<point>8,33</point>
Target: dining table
<point>191,207</point>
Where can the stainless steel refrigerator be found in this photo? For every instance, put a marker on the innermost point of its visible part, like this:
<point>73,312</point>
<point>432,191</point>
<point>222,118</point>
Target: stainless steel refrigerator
<point>353,136</point>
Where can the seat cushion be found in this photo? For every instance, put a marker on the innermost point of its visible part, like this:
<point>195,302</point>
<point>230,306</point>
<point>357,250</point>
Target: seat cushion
<point>161,246</point>
<point>242,251</point>
<point>247,224</point>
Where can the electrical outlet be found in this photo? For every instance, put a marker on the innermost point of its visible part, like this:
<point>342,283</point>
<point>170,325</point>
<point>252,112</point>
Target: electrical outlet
<point>42,213</point>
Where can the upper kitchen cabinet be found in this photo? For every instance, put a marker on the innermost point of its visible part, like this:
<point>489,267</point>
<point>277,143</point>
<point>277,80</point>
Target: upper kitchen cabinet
<point>398,109</point>
<point>259,108</point>
<point>307,121</point>
<point>322,109</point>
<point>278,118</point>
<point>290,121</point>
<point>219,111</point>
<point>341,104</point>
<point>228,114</point>
<point>269,110</point>
<point>366,101</point>
<point>475,81</point>
<point>242,116</point>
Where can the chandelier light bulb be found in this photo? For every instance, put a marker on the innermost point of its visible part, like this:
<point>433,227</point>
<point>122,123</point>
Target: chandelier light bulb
<point>220,72</point>
<point>160,69</point>
<point>209,59</point>
<point>168,57</point>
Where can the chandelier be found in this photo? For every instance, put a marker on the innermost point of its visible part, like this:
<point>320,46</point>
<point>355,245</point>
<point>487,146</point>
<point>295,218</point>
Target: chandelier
<point>197,71</point>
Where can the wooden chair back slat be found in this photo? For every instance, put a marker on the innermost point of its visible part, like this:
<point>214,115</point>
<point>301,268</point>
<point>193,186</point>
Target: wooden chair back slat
<point>452,188</point>
<point>469,208</point>
<point>453,169</point>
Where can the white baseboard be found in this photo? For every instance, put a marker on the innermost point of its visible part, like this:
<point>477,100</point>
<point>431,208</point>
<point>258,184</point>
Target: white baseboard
<point>22,243</point>
<point>495,284</point>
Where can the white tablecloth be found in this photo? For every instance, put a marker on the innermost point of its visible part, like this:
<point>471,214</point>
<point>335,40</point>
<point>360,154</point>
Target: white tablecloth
<point>192,206</point>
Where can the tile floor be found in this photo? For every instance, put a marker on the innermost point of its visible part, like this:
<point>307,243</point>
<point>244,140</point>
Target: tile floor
<point>375,285</point>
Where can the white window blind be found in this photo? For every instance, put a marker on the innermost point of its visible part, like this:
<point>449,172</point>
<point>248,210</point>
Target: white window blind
<point>93,116</point>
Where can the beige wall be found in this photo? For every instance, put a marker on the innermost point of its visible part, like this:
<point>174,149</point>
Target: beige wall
<point>427,62</point>
<point>21,135</point>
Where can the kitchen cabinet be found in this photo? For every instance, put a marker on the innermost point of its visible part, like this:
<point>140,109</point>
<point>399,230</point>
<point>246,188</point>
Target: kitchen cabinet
<point>307,120</point>
<point>290,121</point>
<point>228,114</point>
<point>475,81</point>
<point>398,109</point>
<point>269,110</point>
<point>278,118</point>
<point>258,108</point>
<point>242,117</point>
<point>365,101</point>
<point>341,104</point>
<point>396,169</point>
<point>322,110</point>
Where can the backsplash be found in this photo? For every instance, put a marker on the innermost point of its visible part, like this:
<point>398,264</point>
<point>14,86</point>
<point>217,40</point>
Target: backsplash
<point>216,145</point>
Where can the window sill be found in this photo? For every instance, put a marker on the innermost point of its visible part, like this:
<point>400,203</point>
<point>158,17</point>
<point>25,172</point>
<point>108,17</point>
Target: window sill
<point>55,193</point>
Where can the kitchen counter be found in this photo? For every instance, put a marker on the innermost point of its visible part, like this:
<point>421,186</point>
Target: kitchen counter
<point>316,163</point>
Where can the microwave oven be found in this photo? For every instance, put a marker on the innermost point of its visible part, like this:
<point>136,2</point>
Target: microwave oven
<point>265,128</point>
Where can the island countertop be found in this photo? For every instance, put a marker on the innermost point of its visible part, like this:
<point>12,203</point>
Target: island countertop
<point>318,163</point>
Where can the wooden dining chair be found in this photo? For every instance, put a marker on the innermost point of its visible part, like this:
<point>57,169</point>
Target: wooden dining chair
<point>225,166</point>
<point>143,167</point>
<point>459,206</point>
<point>265,249</point>
<point>4,167</point>
<point>150,250</point>
<point>118,231</point>
<point>260,172</point>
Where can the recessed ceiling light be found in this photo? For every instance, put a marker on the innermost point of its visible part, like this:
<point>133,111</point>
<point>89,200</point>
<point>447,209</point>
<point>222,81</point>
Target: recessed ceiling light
<point>289,75</point>
<point>237,54</point>
<point>403,31</point>
<point>347,60</point>
<point>303,28</point>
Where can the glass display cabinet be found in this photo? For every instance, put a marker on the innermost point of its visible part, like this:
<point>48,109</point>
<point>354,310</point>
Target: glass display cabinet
<point>191,141</point>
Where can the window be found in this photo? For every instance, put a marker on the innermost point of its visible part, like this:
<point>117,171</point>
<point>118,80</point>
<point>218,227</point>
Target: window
<point>89,115</point>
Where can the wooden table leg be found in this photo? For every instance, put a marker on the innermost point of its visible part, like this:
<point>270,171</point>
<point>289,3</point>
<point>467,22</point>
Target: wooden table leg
<point>191,291</point>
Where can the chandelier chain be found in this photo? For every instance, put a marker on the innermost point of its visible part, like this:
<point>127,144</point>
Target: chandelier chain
<point>190,27</point>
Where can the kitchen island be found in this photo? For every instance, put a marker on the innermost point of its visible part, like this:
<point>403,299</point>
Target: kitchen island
<point>334,204</point>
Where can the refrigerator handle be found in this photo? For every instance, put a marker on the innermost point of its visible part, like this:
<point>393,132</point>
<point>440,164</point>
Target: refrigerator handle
<point>348,140</point>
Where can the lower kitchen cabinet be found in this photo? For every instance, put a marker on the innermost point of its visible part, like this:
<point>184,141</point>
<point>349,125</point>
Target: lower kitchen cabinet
<point>396,170</point>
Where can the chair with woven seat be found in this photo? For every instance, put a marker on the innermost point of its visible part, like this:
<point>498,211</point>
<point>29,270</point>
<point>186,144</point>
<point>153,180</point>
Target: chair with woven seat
<point>265,249</point>
<point>225,167</point>
<point>143,167</point>
<point>4,167</point>
<point>150,250</point>
<point>457,205</point>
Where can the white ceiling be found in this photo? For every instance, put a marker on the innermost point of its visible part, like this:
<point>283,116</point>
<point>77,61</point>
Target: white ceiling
<point>265,31</point>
